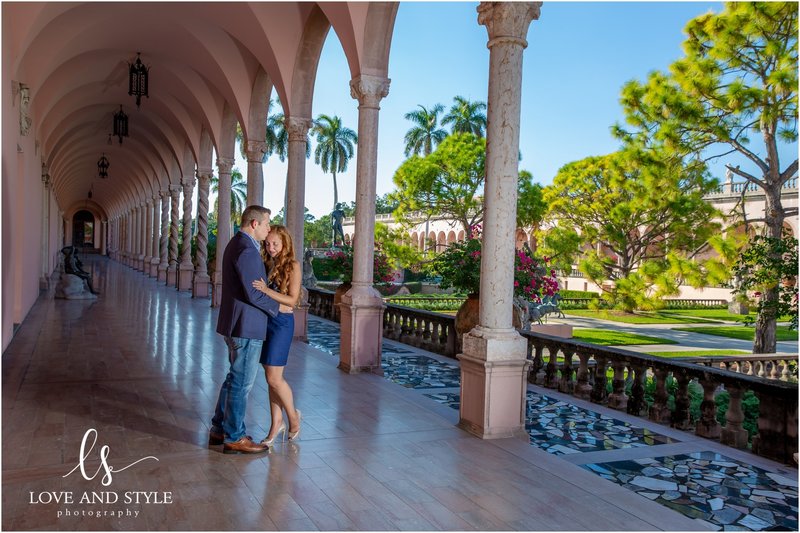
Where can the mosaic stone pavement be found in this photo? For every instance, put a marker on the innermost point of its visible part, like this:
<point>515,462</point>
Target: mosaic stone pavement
<point>560,428</point>
<point>722,491</point>
<point>725,493</point>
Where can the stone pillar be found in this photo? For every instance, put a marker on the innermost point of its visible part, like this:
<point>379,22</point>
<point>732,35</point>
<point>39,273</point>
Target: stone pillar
<point>44,278</point>
<point>172,269</point>
<point>201,279</point>
<point>186,268</point>
<point>255,172</point>
<point>104,237</point>
<point>494,364</point>
<point>127,253</point>
<point>156,236</point>
<point>297,129</point>
<point>362,307</point>
<point>163,263</point>
<point>224,165</point>
<point>140,235</point>
<point>148,235</point>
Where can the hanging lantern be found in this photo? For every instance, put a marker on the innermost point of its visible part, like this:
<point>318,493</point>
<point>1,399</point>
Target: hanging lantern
<point>102,167</point>
<point>137,83</point>
<point>120,124</point>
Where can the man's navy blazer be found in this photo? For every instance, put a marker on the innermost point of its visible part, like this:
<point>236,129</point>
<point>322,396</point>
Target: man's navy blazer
<point>243,310</point>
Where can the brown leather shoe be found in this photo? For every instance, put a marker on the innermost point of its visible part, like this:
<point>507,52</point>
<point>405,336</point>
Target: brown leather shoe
<point>215,439</point>
<point>244,445</point>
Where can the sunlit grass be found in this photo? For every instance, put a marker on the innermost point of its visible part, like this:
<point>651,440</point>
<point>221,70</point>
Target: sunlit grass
<point>635,318</point>
<point>698,353</point>
<point>746,333</point>
<point>604,337</point>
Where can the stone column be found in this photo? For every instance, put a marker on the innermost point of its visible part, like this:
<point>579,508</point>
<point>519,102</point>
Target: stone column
<point>361,308</point>
<point>297,129</point>
<point>134,231</point>
<point>494,364</point>
<point>201,279</point>
<point>186,268</point>
<point>224,165</point>
<point>255,172</point>
<point>140,235</point>
<point>148,235</point>
<point>104,237</point>
<point>44,278</point>
<point>163,264</point>
<point>127,253</point>
<point>172,269</point>
<point>156,236</point>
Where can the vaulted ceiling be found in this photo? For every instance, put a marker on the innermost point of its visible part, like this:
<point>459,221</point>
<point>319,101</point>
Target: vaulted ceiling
<point>210,62</point>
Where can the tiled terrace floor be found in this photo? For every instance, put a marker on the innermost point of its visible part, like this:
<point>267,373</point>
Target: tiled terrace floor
<point>142,366</point>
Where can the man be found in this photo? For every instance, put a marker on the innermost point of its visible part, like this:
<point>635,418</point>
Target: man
<point>243,316</point>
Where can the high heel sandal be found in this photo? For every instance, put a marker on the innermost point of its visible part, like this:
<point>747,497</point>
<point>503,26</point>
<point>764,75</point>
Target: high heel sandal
<point>281,431</point>
<point>294,434</point>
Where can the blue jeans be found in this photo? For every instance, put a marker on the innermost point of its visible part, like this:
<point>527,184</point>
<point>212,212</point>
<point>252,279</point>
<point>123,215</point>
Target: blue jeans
<point>243,355</point>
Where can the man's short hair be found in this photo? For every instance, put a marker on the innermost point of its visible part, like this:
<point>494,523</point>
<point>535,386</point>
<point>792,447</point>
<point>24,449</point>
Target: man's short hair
<point>254,212</point>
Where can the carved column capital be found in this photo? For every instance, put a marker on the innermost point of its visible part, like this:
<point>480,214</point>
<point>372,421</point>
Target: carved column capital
<point>255,151</point>
<point>225,165</point>
<point>175,190</point>
<point>369,90</point>
<point>297,128</point>
<point>508,21</point>
<point>204,178</point>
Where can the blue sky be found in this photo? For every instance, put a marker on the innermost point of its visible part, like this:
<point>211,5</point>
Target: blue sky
<point>578,57</point>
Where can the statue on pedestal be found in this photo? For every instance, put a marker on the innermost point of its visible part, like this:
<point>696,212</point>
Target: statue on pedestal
<point>309,279</point>
<point>336,221</point>
<point>74,281</point>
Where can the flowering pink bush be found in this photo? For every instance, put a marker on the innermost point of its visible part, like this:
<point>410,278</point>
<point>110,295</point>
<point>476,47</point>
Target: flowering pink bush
<point>340,265</point>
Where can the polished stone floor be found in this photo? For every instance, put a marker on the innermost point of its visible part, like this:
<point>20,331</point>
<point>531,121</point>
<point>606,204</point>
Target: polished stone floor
<point>134,377</point>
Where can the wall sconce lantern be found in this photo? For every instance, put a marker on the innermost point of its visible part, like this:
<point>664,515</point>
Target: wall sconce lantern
<point>120,124</point>
<point>137,83</point>
<point>102,167</point>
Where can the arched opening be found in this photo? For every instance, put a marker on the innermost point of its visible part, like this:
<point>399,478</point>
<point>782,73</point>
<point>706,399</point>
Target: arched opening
<point>83,228</point>
<point>451,237</point>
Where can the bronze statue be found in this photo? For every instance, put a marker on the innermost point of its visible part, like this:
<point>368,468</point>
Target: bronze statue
<point>73,265</point>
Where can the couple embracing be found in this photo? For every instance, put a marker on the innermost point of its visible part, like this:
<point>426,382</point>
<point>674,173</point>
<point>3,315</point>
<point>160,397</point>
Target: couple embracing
<point>260,288</point>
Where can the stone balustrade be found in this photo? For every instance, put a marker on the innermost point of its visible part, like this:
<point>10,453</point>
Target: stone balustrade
<point>582,369</point>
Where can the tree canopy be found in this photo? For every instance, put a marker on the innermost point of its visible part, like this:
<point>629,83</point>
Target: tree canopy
<point>733,92</point>
<point>425,134</point>
<point>466,117</point>
<point>445,183</point>
<point>627,231</point>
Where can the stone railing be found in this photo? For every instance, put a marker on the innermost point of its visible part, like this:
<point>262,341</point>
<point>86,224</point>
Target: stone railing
<point>780,367</point>
<point>430,331</point>
<point>587,378</point>
<point>777,421</point>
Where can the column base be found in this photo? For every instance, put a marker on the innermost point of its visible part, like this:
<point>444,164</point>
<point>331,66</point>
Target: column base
<point>216,290</point>
<point>154,268</point>
<point>162,272</point>
<point>172,276</point>
<point>301,323</point>
<point>494,380</point>
<point>361,330</point>
<point>44,283</point>
<point>200,287</point>
<point>185,276</point>
<point>140,263</point>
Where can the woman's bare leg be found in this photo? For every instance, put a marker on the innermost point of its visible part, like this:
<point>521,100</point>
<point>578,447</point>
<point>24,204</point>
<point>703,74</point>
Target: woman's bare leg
<point>284,398</point>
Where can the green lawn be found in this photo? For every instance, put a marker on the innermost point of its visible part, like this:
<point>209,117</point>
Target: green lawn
<point>604,337</point>
<point>698,353</point>
<point>746,333</point>
<point>637,318</point>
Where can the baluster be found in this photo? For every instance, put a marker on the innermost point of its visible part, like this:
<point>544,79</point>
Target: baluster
<point>551,370</point>
<point>708,426</point>
<point>618,399</point>
<point>733,434</point>
<point>451,340</point>
<point>761,370</point>
<point>681,417</point>
<point>426,332</point>
<point>583,389</point>
<point>417,333</point>
<point>538,363</point>
<point>636,403</point>
<point>785,372</point>
<point>659,411</point>
<point>599,391</point>
<point>773,369</point>
<point>566,384</point>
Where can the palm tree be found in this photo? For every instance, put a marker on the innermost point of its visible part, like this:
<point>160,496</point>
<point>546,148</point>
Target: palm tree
<point>466,117</point>
<point>334,147</point>
<point>425,134</point>
<point>238,194</point>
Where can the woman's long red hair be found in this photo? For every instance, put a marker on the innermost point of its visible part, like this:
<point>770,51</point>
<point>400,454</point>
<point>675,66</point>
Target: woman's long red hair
<point>280,268</point>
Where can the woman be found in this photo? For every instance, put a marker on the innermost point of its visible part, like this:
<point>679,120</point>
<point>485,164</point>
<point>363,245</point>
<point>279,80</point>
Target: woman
<point>284,275</point>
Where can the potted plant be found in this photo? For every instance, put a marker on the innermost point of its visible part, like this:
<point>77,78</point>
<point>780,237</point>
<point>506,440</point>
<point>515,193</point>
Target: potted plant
<point>459,266</point>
